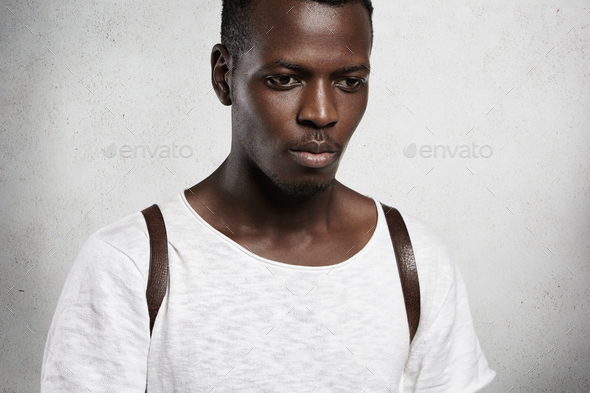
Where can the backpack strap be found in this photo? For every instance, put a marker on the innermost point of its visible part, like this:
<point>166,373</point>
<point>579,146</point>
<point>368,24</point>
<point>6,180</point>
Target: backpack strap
<point>406,266</point>
<point>402,246</point>
<point>158,274</point>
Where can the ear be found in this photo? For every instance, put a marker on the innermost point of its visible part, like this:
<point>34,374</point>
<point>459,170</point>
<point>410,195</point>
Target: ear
<point>220,73</point>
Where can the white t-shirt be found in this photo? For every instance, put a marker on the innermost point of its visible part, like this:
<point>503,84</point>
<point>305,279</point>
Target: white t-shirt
<point>234,321</point>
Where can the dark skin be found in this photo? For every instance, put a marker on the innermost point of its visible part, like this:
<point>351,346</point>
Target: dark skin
<point>305,80</point>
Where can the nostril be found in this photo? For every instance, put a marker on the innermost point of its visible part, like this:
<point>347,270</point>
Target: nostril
<point>318,116</point>
<point>317,124</point>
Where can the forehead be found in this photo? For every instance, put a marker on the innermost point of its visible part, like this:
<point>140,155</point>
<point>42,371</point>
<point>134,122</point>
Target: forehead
<point>309,33</point>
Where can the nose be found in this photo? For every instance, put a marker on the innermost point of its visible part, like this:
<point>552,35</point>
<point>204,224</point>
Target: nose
<point>318,106</point>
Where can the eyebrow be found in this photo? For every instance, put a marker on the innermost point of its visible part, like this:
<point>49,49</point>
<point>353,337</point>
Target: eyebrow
<point>282,64</point>
<point>298,67</point>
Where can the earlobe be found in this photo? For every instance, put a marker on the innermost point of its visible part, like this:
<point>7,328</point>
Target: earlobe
<point>220,76</point>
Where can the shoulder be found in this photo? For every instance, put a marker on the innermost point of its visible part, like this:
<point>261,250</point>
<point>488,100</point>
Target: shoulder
<point>428,245</point>
<point>117,247</point>
<point>445,354</point>
<point>124,234</point>
<point>123,243</point>
<point>437,272</point>
<point>432,254</point>
<point>433,257</point>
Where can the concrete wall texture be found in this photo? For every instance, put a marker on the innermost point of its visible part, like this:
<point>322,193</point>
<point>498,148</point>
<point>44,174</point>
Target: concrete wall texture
<point>478,123</point>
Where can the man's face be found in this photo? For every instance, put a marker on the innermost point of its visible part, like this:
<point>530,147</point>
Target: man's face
<point>304,80</point>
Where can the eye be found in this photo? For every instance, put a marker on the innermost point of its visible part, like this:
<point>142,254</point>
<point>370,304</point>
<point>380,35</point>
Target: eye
<point>283,81</point>
<point>350,84</point>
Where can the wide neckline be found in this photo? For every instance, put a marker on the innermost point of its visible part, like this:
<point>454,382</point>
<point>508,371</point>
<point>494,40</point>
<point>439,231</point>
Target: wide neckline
<point>271,262</point>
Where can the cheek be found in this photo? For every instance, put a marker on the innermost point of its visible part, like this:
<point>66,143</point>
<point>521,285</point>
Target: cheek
<point>276,108</point>
<point>262,121</point>
<point>362,106</point>
<point>359,103</point>
<point>351,108</point>
<point>265,111</point>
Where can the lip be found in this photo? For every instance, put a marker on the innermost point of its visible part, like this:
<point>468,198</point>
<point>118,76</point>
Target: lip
<point>316,147</point>
<point>313,160</point>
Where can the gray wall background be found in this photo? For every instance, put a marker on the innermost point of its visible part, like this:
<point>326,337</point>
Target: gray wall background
<point>508,82</point>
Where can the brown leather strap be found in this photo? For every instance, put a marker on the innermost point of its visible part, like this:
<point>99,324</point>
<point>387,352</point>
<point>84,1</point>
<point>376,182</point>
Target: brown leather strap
<point>158,274</point>
<point>406,266</point>
<point>404,255</point>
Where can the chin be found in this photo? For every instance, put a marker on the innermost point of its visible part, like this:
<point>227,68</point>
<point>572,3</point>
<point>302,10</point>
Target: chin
<point>304,188</point>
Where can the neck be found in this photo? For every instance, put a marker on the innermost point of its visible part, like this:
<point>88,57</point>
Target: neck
<point>252,200</point>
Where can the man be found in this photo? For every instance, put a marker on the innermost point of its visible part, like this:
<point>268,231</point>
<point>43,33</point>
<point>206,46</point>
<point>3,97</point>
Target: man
<point>281,278</point>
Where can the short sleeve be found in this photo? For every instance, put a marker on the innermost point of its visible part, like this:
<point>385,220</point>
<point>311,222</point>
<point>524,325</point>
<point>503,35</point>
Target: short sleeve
<point>445,355</point>
<point>99,336</point>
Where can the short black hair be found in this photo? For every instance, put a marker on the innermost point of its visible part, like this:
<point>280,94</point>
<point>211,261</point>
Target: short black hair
<point>235,22</point>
